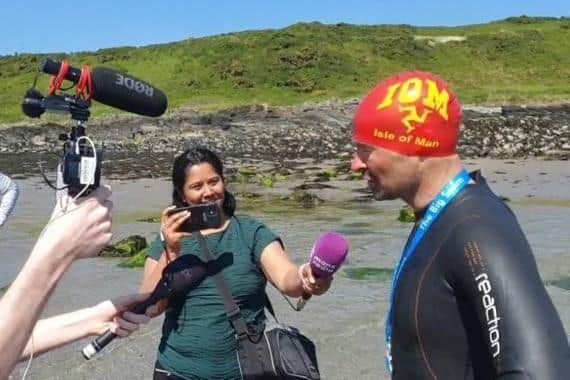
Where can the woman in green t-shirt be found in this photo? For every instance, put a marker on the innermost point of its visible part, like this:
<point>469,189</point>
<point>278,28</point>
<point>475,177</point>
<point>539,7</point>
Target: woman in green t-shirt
<point>197,338</point>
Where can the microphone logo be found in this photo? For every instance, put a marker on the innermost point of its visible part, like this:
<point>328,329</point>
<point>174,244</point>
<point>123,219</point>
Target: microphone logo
<point>133,84</point>
<point>328,254</point>
<point>322,265</point>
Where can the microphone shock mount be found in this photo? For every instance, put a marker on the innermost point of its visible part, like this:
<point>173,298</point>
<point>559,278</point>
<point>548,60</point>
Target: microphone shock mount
<point>80,163</point>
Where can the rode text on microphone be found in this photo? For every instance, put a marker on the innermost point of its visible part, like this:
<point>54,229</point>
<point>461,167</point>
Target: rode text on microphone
<point>81,160</point>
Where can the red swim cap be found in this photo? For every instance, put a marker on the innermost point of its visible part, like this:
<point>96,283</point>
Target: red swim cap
<point>413,113</point>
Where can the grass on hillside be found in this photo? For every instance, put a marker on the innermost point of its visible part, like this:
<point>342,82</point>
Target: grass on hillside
<point>521,59</point>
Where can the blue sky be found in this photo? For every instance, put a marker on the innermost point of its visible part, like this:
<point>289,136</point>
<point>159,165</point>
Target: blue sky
<point>65,26</point>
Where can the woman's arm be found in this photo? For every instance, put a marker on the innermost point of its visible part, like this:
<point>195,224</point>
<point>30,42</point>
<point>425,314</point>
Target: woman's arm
<point>62,329</point>
<point>289,278</point>
<point>171,237</point>
<point>152,273</point>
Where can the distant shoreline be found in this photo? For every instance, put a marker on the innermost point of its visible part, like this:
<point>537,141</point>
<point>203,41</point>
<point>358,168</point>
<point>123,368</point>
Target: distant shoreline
<point>311,130</point>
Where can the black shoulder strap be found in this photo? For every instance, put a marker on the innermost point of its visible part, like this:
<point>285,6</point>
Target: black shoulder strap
<point>268,305</point>
<point>232,309</point>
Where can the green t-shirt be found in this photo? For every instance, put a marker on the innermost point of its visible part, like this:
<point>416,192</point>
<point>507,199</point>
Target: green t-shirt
<point>197,339</point>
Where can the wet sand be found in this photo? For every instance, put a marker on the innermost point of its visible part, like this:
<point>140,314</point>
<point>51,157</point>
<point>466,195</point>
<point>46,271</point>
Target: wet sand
<point>348,323</point>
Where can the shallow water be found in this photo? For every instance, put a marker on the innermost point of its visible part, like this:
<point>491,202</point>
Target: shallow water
<point>347,324</point>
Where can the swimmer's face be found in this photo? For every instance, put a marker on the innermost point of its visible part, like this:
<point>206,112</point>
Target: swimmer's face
<point>390,175</point>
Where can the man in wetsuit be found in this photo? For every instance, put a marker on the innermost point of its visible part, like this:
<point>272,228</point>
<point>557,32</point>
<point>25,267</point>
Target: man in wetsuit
<point>467,301</point>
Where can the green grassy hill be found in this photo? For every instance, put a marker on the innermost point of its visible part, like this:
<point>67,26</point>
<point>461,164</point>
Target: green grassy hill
<point>520,59</point>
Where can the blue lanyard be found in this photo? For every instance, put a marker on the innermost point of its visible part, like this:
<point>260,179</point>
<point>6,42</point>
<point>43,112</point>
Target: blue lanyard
<point>450,190</point>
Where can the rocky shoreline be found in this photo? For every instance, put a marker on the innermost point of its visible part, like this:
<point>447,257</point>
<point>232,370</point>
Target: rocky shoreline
<point>318,131</point>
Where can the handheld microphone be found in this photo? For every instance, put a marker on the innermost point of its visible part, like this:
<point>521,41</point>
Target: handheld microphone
<point>328,254</point>
<point>117,89</point>
<point>179,276</point>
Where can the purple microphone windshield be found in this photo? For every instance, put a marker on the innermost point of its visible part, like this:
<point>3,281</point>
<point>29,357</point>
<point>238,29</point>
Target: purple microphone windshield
<point>329,252</point>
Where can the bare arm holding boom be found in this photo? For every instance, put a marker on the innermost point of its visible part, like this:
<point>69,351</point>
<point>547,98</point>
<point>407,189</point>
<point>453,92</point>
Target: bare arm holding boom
<point>76,230</point>
<point>62,329</point>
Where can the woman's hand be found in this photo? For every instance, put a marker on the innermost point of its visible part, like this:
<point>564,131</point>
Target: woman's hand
<point>171,230</point>
<point>311,284</point>
<point>157,309</point>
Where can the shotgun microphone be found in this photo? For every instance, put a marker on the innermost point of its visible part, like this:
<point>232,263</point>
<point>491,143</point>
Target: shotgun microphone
<point>117,89</point>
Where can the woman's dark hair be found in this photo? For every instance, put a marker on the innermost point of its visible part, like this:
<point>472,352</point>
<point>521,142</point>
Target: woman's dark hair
<point>184,162</point>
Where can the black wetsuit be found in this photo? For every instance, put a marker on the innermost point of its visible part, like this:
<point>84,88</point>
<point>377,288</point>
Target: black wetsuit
<point>470,303</point>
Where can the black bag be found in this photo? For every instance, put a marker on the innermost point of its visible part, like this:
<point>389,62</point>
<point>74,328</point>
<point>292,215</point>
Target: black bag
<point>277,352</point>
<point>273,351</point>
